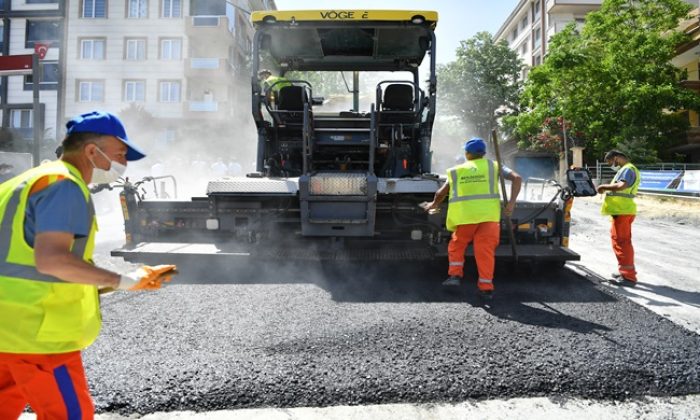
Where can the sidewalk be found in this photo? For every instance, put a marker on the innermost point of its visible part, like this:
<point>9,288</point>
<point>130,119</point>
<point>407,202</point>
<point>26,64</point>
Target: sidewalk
<point>650,408</point>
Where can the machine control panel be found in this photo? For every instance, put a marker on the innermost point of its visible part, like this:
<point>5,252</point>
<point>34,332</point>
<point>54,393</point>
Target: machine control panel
<point>580,182</point>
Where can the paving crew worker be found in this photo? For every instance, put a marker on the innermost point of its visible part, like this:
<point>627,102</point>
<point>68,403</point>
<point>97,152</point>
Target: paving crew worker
<point>48,284</point>
<point>619,204</point>
<point>271,85</point>
<point>474,212</point>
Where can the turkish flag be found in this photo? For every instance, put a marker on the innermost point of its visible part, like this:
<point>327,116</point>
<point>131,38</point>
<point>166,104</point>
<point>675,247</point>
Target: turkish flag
<point>41,48</point>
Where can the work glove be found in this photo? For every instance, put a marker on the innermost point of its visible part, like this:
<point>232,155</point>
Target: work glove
<point>147,277</point>
<point>430,207</point>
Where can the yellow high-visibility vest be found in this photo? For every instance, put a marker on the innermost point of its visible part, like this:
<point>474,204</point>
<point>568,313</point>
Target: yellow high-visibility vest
<point>474,193</point>
<point>42,314</point>
<point>622,202</point>
<point>276,83</point>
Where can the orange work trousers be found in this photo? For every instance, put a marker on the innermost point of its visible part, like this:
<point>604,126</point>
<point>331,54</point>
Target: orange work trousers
<point>485,236</point>
<point>54,385</point>
<point>621,235</point>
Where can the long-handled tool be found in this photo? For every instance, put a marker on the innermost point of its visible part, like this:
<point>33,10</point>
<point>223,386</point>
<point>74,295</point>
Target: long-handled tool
<point>509,222</point>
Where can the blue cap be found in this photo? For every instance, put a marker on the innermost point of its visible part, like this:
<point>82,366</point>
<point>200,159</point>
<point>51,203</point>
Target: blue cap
<point>475,146</point>
<point>103,123</point>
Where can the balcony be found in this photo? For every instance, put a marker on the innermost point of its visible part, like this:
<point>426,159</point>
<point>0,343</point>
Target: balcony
<point>212,68</point>
<point>209,110</point>
<point>693,137</point>
<point>211,31</point>
<point>693,85</point>
<point>572,6</point>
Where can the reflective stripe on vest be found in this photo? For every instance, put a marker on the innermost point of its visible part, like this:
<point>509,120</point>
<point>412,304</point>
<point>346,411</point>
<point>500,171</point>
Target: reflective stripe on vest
<point>619,194</point>
<point>476,199</point>
<point>622,202</point>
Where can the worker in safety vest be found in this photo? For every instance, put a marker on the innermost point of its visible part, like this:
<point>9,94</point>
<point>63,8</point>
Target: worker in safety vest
<point>619,204</point>
<point>474,212</point>
<point>271,85</point>
<point>49,301</point>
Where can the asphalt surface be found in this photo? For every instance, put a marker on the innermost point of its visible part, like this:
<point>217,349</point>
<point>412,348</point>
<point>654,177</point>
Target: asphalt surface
<point>319,335</point>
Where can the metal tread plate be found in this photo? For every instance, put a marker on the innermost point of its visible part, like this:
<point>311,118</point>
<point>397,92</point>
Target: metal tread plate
<point>407,185</point>
<point>244,185</point>
<point>338,183</point>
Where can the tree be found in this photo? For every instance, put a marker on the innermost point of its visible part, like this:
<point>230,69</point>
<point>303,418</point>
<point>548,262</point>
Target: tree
<point>612,82</point>
<point>482,84</point>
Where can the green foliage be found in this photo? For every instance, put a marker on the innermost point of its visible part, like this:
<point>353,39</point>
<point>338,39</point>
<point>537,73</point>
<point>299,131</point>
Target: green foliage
<point>612,81</point>
<point>482,84</point>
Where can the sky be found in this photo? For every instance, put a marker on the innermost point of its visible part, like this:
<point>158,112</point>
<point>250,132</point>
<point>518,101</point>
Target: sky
<point>458,20</point>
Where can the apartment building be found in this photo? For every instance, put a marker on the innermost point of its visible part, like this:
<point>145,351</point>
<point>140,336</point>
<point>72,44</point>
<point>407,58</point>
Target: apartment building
<point>178,61</point>
<point>24,23</point>
<point>532,23</point>
<point>688,58</point>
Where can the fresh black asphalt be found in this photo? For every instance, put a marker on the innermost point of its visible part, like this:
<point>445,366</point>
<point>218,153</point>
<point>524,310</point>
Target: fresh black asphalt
<point>319,335</point>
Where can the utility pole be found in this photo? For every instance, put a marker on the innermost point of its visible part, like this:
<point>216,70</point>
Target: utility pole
<point>564,162</point>
<point>36,117</point>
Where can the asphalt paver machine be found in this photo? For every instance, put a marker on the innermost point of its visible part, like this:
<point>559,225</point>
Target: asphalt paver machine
<point>341,184</point>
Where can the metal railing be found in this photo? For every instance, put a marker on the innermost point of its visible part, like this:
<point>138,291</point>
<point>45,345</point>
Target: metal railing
<point>603,171</point>
<point>669,166</point>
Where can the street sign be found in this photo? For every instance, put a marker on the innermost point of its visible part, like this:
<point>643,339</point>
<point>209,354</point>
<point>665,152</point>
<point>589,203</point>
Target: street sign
<point>11,65</point>
<point>41,48</point>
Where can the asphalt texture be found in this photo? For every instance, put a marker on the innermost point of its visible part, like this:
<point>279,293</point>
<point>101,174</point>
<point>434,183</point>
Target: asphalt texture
<point>321,335</point>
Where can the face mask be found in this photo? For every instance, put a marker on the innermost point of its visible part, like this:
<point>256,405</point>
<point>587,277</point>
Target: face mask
<point>100,176</point>
<point>615,166</point>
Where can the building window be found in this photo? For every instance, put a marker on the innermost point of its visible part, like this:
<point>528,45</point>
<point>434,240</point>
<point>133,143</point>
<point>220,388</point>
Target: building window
<point>514,34</point>
<point>536,11</point>
<point>134,91</point>
<point>205,20</point>
<point>2,37</point>
<point>94,9</point>
<point>43,31</point>
<point>208,8</point>
<point>166,138</point>
<point>171,49</point>
<point>536,38</point>
<point>523,23</point>
<point>169,91</point>
<point>137,9</point>
<point>91,91</point>
<point>92,49</point>
<point>21,119</point>
<point>171,8</point>
<point>135,49</point>
<point>523,48</point>
<point>49,77</point>
<point>42,1</point>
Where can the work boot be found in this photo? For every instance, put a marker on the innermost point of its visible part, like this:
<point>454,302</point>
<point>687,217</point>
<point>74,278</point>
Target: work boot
<point>452,281</point>
<point>620,280</point>
<point>486,294</point>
